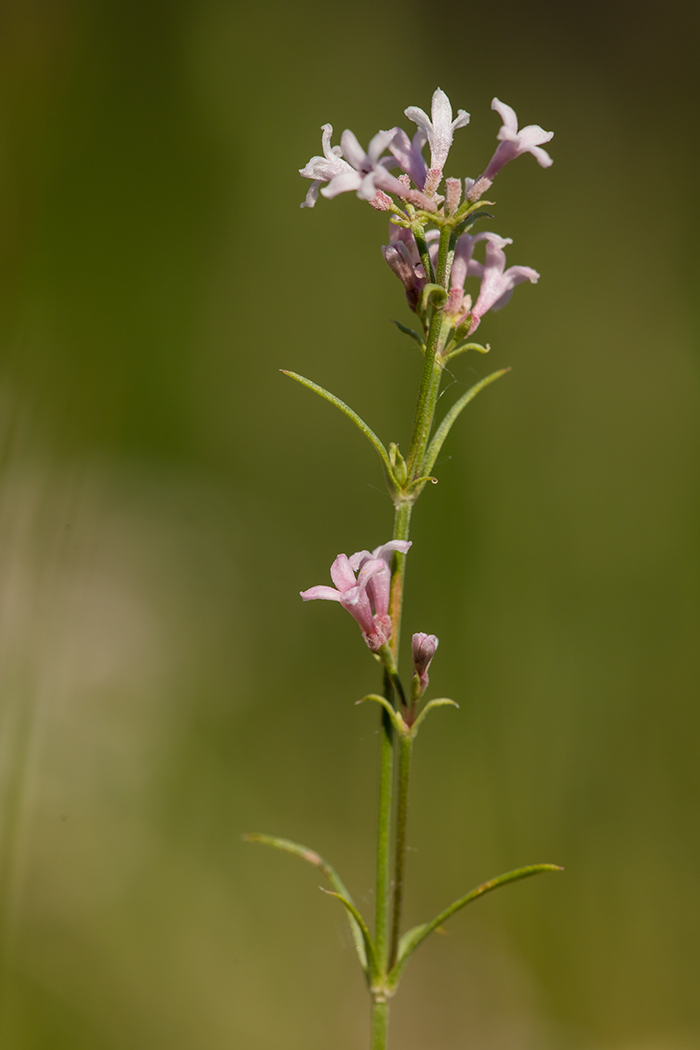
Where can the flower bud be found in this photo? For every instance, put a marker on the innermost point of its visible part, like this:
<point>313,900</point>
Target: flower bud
<point>432,181</point>
<point>381,201</point>
<point>453,195</point>
<point>423,647</point>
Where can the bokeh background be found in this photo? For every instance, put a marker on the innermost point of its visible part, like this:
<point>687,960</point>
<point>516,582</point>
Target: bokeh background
<point>165,494</point>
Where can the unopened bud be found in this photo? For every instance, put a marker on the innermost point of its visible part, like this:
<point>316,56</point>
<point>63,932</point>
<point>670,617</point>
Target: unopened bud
<point>453,195</point>
<point>423,647</point>
<point>432,181</point>
<point>398,464</point>
<point>381,201</point>
<point>478,189</point>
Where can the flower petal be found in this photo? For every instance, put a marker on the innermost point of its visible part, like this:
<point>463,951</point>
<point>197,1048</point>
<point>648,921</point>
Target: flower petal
<point>378,144</point>
<point>311,195</point>
<point>541,156</point>
<point>387,549</point>
<point>533,135</point>
<point>350,180</point>
<point>328,152</point>
<point>341,573</point>
<point>419,117</point>
<point>507,114</point>
<point>352,150</point>
<point>327,593</point>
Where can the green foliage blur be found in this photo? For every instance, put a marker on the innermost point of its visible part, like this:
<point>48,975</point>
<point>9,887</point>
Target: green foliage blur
<point>166,493</point>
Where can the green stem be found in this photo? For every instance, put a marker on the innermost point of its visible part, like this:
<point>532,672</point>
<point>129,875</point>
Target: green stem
<point>432,369</point>
<point>402,525</point>
<point>380,1022</point>
<point>386,753</point>
<point>425,406</point>
<point>386,790</point>
<point>446,251</point>
<point>423,420</point>
<point>405,750</point>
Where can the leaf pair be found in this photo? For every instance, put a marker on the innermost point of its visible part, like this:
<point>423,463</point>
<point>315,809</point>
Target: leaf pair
<point>412,938</point>
<point>402,727</point>
<point>438,438</point>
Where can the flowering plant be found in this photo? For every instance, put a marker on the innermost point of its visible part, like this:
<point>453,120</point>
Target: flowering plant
<point>432,252</point>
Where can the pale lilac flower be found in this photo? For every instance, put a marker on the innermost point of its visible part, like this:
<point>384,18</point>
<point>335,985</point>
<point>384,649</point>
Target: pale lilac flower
<point>423,647</point>
<point>366,173</point>
<point>325,168</point>
<point>362,585</point>
<point>497,283</point>
<point>511,144</point>
<point>439,130</point>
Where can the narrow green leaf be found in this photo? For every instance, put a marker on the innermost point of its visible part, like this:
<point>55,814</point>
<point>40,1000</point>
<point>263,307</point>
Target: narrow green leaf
<point>420,482</point>
<point>357,420</point>
<point>443,701</point>
<point>463,347</point>
<point>468,208</point>
<point>373,972</point>
<point>287,846</point>
<point>409,938</point>
<point>471,219</point>
<point>409,332</point>
<point>443,430</point>
<point>398,722</point>
<point>417,935</point>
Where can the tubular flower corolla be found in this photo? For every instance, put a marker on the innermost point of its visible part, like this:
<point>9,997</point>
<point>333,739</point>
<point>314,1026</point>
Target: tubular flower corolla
<point>362,586</point>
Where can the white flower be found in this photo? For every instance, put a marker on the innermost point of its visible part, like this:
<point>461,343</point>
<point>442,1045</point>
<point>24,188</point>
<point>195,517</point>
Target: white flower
<point>440,129</point>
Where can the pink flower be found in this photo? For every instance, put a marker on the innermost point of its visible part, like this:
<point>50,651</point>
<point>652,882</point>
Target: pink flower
<point>464,266</point>
<point>511,144</point>
<point>497,283</point>
<point>423,647</point>
<point>365,595</point>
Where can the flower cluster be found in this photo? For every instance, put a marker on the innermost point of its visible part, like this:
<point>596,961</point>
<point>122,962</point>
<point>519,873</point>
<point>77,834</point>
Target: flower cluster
<point>362,586</point>
<point>348,167</point>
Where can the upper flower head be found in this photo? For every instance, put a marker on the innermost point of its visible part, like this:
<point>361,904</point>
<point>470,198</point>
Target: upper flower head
<point>439,130</point>
<point>365,595</point>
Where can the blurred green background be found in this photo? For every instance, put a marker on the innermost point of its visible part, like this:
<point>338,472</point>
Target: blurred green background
<point>166,494</point>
